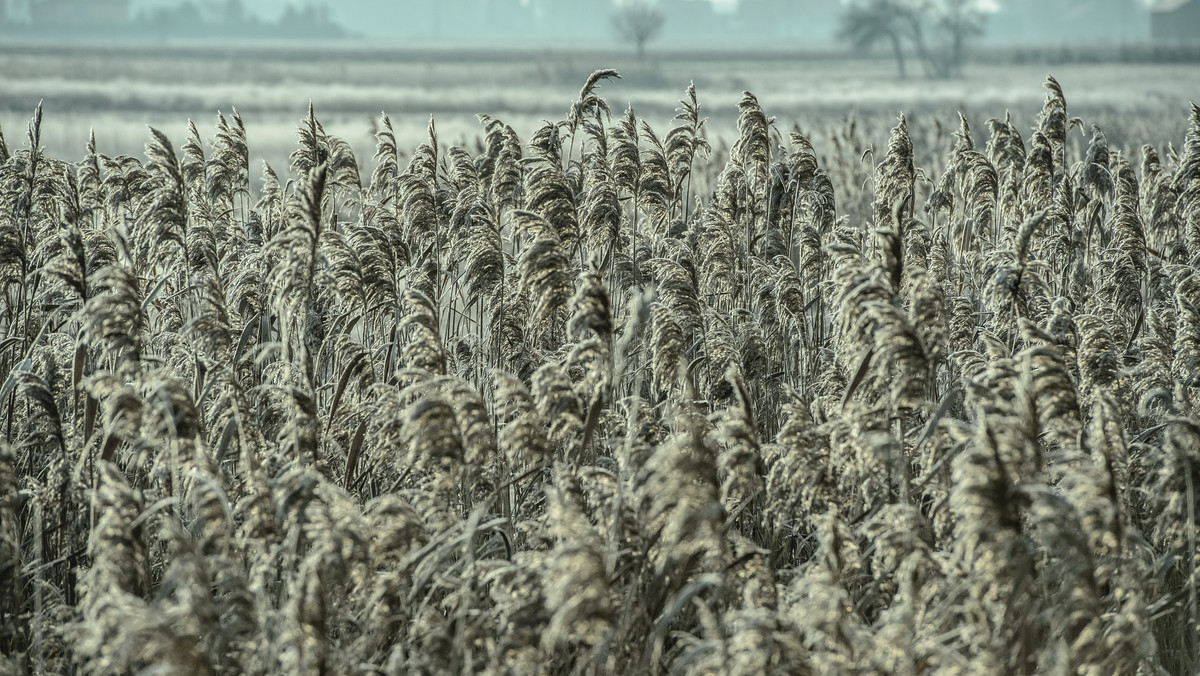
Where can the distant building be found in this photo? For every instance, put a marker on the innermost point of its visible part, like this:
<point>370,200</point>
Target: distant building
<point>1175,21</point>
<point>80,12</point>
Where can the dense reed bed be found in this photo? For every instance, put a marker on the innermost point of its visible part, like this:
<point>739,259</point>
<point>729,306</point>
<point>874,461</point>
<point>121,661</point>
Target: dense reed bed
<point>603,400</point>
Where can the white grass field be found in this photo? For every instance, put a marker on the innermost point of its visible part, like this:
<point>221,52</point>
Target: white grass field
<point>121,91</point>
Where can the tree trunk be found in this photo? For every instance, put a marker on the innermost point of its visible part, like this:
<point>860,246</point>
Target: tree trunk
<point>934,66</point>
<point>898,51</point>
<point>959,48</point>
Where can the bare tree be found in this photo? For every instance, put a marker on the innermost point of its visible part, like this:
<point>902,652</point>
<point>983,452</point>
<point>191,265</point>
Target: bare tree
<point>865,24</point>
<point>233,11</point>
<point>956,21</point>
<point>637,22</point>
<point>936,30</point>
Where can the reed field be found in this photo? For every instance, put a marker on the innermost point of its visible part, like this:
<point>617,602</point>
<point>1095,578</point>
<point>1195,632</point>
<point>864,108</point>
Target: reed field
<point>628,391</point>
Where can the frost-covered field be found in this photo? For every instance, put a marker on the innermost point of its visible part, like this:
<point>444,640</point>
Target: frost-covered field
<point>120,91</point>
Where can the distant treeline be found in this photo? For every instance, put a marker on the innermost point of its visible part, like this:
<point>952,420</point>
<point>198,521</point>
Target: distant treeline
<point>804,25</point>
<point>233,21</point>
<point>552,23</point>
<point>113,18</point>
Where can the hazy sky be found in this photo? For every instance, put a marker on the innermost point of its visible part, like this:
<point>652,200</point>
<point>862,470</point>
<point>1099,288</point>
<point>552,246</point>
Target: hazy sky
<point>1026,21</point>
<point>272,8</point>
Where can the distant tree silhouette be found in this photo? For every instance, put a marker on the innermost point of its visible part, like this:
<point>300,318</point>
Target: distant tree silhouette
<point>637,22</point>
<point>938,30</point>
<point>957,21</point>
<point>865,24</point>
<point>233,11</point>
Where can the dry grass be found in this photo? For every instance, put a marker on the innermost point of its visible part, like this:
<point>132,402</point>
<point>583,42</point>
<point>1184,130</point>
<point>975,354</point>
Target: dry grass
<point>604,398</point>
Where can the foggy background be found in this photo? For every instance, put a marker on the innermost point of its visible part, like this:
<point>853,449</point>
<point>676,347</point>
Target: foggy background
<point>777,24</point>
<point>116,66</point>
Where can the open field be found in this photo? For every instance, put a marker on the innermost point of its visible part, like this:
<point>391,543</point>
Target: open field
<point>120,91</point>
<point>809,387</point>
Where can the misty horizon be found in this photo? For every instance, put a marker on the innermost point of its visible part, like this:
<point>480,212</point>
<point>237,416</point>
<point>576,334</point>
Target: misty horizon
<point>799,24</point>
